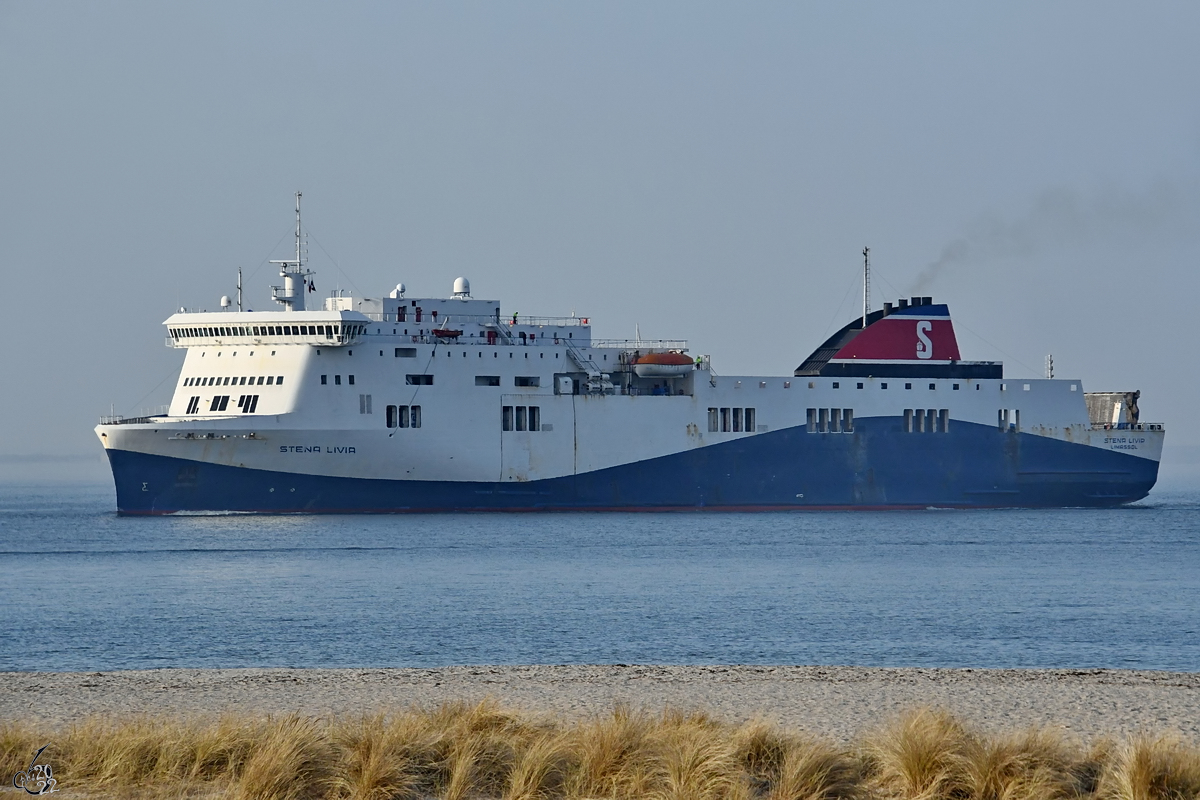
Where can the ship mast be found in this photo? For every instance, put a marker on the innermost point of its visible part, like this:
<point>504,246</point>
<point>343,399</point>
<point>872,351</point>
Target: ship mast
<point>866,284</point>
<point>295,276</point>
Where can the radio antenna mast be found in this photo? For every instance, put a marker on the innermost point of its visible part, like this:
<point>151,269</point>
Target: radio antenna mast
<point>295,277</point>
<point>866,284</point>
<point>299,262</point>
<point>239,289</point>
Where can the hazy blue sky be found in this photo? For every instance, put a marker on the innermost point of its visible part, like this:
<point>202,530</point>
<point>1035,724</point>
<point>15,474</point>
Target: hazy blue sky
<point>706,171</point>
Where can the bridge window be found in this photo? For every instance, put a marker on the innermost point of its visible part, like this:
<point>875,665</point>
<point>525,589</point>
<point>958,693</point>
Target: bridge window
<point>193,405</point>
<point>248,403</point>
<point>219,403</point>
<point>279,380</point>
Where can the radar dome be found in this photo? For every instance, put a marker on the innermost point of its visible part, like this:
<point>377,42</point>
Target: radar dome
<point>398,291</point>
<point>462,287</point>
<point>225,301</point>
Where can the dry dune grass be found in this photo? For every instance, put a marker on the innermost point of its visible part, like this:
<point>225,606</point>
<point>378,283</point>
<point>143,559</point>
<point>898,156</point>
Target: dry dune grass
<point>472,752</point>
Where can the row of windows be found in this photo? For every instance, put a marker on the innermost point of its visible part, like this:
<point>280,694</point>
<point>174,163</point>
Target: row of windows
<point>271,380</point>
<point>337,380</point>
<point>328,331</point>
<point>883,385</point>
<point>522,418</point>
<point>247,403</point>
<point>830,420</point>
<point>926,420</point>
<point>731,420</point>
<point>402,416</point>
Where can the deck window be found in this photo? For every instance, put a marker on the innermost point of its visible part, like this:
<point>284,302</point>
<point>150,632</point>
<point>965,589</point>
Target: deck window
<point>535,418</point>
<point>506,418</point>
<point>527,381</point>
<point>419,380</point>
<point>521,419</point>
<point>848,420</point>
<point>737,420</point>
<point>487,380</point>
<point>712,420</point>
<point>749,420</point>
<point>812,420</point>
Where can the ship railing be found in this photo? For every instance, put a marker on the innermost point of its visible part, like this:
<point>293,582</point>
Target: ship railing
<point>642,344</point>
<point>142,419</point>
<point>1127,426</point>
<point>451,318</point>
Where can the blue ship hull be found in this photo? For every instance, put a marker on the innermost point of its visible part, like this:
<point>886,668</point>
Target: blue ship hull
<point>972,466</point>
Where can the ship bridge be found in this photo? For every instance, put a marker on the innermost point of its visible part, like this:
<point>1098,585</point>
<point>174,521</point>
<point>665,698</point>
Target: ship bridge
<point>205,328</point>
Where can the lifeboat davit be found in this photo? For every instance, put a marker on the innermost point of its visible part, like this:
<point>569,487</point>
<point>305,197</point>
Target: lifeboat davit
<point>662,365</point>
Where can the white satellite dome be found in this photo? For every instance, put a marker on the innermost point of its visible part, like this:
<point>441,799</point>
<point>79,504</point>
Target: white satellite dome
<point>225,302</point>
<point>399,290</point>
<point>462,288</point>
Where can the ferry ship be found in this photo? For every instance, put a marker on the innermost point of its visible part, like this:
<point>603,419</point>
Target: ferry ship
<point>437,404</point>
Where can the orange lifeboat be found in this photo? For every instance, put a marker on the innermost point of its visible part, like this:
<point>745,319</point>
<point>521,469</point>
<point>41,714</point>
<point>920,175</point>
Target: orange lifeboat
<point>662,365</point>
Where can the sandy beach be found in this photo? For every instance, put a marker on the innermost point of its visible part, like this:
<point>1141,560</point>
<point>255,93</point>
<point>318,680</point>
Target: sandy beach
<point>837,702</point>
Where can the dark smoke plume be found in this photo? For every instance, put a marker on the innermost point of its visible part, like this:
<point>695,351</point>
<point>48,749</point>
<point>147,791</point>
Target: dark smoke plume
<point>1062,218</point>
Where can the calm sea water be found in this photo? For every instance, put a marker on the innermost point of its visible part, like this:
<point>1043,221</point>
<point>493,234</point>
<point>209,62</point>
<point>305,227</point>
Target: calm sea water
<point>83,589</point>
